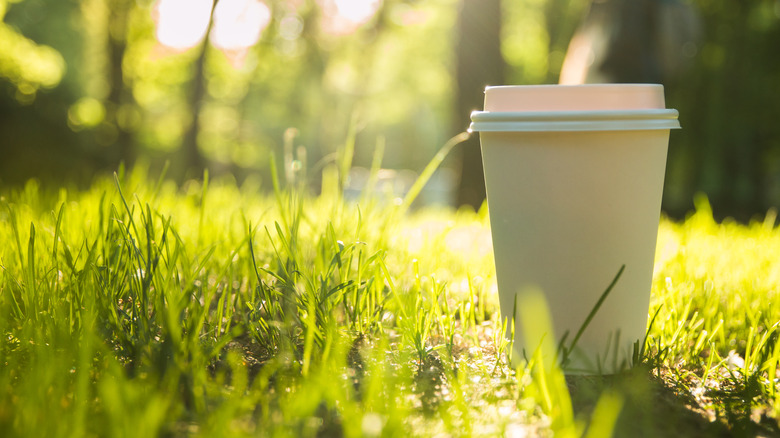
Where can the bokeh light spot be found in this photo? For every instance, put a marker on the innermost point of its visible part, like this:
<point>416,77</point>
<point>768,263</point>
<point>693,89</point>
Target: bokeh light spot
<point>357,11</point>
<point>182,24</point>
<point>87,112</point>
<point>239,23</point>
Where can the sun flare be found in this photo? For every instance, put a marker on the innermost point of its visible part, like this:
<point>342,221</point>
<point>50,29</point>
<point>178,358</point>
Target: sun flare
<point>357,11</point>
<point>182,24</point>
<point>238,24</point>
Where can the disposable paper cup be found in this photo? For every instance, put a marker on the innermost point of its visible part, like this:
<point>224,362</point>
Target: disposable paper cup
<point>574,178</point>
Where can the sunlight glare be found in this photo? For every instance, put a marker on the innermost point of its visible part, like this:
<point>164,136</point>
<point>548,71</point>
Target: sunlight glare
<point>342,17</point>
<point>182,24</point>
<point>239,23</point>
<point>357,11</point>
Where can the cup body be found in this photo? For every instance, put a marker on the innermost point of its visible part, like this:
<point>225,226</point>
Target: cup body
<point>574,195</point>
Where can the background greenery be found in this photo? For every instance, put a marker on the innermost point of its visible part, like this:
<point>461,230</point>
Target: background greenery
<point>84,85</point>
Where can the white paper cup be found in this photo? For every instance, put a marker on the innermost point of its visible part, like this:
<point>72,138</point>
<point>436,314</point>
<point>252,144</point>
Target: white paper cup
<point>574,178</point>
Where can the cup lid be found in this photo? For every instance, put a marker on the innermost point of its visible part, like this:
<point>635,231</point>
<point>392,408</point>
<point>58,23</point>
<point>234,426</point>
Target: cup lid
<point>590,107</point>
<point>587,97</point>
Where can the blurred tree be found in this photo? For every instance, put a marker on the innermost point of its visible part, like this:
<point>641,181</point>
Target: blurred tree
<point>631,41</point>
<point>479,62</point>
<point>729,147</point>
<point>120,103</point>
<point>194,163</point>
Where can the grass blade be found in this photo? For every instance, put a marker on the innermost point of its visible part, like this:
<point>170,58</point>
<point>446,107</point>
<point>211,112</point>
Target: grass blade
<point>427,173</point>
<point>590,316</point>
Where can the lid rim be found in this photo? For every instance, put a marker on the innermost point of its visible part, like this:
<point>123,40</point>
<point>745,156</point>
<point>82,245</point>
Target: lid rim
<point>642,125</point>
<point>641,114</point>
<point>611,120</point>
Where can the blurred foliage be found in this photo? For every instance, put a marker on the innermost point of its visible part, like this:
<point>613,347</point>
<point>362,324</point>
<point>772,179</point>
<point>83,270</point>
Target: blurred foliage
<point>729,101</point>
<point>85,84</point>
<point>304,72</point>
<point>25,64</point>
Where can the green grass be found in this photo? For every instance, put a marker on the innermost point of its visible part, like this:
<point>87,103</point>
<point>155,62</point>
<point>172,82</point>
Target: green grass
<point>139,308</point>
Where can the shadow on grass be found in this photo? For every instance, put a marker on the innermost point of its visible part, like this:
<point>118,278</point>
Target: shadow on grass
<point>654,408</point>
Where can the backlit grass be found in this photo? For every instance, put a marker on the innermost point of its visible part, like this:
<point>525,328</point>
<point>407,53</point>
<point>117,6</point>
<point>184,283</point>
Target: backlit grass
<point>139,308</point>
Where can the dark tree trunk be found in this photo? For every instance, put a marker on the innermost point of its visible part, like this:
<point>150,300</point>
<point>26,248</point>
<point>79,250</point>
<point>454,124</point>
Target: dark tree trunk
<point>193,161</point>
<point>478,63</point>
<point>119,94</point>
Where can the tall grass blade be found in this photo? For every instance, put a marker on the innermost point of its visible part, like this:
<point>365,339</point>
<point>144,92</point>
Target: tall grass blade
<point>427,173</point>
<point>203,193</point>
<point>56,240</point>
<point>605,415</point>
<point>590,316</point>
<point>347,153</point>
<point>376,166</point>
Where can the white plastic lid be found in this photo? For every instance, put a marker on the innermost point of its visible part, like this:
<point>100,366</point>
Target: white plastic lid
<point>592,107</point>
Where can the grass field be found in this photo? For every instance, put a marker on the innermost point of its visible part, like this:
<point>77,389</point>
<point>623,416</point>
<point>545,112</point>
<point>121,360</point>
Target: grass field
<point>139,308</point>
